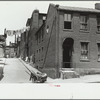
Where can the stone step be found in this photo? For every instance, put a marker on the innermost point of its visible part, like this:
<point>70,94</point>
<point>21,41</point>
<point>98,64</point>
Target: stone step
<point>66,74</point>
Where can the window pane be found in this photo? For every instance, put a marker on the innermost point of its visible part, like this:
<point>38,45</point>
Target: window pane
<point>83,26</point>
<point>67,25</point>
<point>67,17</point>
<point>44,17</point>
<point>83,19</point>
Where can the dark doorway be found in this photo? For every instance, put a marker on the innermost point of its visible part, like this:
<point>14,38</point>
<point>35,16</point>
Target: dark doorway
<point>67,52</point>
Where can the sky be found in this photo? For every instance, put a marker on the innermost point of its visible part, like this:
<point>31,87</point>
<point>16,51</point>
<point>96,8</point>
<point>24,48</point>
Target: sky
<point>14,14</point>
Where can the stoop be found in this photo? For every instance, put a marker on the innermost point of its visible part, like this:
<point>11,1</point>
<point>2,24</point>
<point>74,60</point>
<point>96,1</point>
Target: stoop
<point>66,73</point>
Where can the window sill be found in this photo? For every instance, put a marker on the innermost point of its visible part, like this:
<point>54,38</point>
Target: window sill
<point>84,60</point>
<point>70,30</point>
<point>99,60</point>
<point>84,31</point>
<point>98,32</point>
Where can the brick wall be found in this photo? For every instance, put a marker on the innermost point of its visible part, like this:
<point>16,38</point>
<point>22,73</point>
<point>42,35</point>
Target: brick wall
<point>49,44</point>
<point>52,50</point>
<point>78,36</point>
<point>36,22</point>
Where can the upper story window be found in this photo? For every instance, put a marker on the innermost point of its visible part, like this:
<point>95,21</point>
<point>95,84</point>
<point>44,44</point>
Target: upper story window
<point>98,23</point>
<point>44,18</point>
<point>42,34</point>
<point>37,36</point>
<point>83,22</point>
<point>67,21</point>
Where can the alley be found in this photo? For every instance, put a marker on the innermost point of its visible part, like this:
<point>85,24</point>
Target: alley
<point>14,72</point>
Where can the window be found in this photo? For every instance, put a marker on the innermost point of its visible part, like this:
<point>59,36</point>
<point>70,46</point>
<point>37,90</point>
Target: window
<point>39,36</point>
<point>44,18</point>
<point>42,49</point>
<point>98,23</point>
<point>37,51</point>
<point>67,21</point>
<point>98,51</point>
<point>39,54</point>
<point>83,22</point>
<point>84,50</point>
<point>42,54</point>
<point>42,35</point>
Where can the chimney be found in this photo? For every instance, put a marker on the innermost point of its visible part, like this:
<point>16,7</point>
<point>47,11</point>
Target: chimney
<point>35,19</point>
<point>57,5</point>
<point>97,6</point>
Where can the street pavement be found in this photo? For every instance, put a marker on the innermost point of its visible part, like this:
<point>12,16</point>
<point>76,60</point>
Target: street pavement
<point>14,72</point>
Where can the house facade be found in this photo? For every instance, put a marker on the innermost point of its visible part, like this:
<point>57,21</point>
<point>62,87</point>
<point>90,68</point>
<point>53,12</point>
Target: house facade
<point>26,45</point>
<point>36,21</point>
<point>10,50</point>
<point>64,38</point>
<point>70,38</point>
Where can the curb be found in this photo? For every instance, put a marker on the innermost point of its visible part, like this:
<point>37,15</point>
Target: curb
<point>29,67</point>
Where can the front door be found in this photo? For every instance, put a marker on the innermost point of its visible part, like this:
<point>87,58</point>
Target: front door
<point>67,52</point>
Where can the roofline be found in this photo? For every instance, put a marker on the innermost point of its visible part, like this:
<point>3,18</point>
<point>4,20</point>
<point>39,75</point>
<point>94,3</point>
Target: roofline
<point>78,9</point>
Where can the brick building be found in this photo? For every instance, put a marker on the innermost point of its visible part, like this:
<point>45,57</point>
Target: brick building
<point>10,51</point>
<point>2,45</point>
<point>70,38</point>
<point>26,47</point>
<point>65,38</point>
<point>35,22</point>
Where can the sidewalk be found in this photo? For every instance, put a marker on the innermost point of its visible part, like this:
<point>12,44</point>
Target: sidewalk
<point>82,79</point>
<point>29,67</point>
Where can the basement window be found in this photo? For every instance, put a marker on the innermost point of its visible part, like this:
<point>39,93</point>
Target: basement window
<point>84,50</point>
<point>98,51</point>
<point>67,21</point>
<point>83,22</point>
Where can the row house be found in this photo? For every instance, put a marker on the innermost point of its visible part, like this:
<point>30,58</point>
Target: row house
<point>69,38</point>
<point>22,43</point>
<point>26,45</point>
<point>37,19</point>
